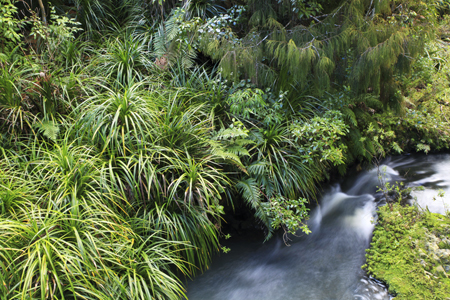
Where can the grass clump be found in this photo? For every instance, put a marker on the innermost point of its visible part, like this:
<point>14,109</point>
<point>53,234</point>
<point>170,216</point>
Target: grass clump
<point>409,252</point>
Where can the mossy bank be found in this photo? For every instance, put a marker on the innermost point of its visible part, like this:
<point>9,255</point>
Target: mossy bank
<point>410,251</point>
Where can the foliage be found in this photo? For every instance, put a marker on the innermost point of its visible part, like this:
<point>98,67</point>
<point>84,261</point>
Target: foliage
<point>70,240</point>
<point>14,108</point>
<point>288,214</point>
<point>55,35</point>
<point>189,226</point>
<point>202,8</point>
<point>114,117</point>
<point>123,145</point>
<point>292,52</point>
<point>425,117</point>
<point>9,24</point>
<point>320,137</point>
<point>124,59</point>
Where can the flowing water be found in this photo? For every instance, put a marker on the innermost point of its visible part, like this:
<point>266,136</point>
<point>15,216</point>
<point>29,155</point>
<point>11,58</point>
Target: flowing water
<point>325,265</point>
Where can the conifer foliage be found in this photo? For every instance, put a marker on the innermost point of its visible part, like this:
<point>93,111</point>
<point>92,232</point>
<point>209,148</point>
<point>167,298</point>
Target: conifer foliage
<point>358,43</point>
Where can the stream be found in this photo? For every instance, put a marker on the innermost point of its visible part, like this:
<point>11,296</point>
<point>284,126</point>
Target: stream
<point>326,264</point>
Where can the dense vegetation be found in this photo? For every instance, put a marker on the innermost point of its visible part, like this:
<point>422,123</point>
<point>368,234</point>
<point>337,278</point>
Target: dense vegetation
<point>410,252</point>
<point>129,128</point>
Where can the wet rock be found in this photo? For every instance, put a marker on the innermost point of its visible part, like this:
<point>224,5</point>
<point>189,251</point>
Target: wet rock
<point>423,263</point>
<point>422,254</point>
<point>443,254</point>
<point>435,258</point>
<point>432,243</point>
<point>378,296</point>
<point>446,229</point>
<point>447,268</point>
<point>440,271</point>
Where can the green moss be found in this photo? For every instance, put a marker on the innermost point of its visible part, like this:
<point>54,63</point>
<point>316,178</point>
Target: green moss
<point>408,252</point>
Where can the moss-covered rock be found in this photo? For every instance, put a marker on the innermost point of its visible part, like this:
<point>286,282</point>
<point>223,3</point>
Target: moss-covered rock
<point>410,252</point>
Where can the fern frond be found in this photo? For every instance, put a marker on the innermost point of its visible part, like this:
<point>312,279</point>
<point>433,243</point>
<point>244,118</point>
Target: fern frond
<point>49,129</point>
<point>159,42</point>
<point>356,145</point>
<point>374,103</point>
<point>252,195</point>
<point>258,168</point>
<point>228,133</point>
<point>349,115</point>
<point>238,150</point>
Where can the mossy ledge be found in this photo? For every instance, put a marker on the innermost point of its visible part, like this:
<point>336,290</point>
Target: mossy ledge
<point>410,252</point>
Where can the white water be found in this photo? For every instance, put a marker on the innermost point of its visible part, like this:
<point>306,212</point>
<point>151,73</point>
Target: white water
<point>326,265</point>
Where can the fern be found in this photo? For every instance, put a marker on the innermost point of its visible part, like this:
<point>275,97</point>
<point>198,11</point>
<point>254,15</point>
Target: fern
<point>230,133</point>
<point>423,147</point>
<point>160,42</point>
<point>258,168</point>
<point>349,115</point>
<point>49,129</point>
<point>356,144</point>
<point>368,145</point>
<point>251,193</point>
<point>166,42</point>
<point>234,139</point>
<point>363,116</point>
<point>238,150</point>
<point>374,103</point>
<point>224,153</point>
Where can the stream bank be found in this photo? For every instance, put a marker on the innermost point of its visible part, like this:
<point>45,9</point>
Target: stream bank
<point>410,252</point>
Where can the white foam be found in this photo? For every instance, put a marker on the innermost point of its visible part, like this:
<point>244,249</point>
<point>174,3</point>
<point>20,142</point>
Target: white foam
<point>362,221</point>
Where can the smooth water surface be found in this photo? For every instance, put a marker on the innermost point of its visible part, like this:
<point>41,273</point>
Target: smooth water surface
<point>325,265</point>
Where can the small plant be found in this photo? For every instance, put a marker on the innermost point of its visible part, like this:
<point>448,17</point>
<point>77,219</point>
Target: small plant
<point>54,35</point>
<point>288,214</point>
<point>441,194</point>
<point>397,192</point>
<point>9,24</point>
<point>225,249</point>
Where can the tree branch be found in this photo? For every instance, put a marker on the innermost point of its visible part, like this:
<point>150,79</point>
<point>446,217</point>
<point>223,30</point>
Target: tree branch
<point>44,16</point>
